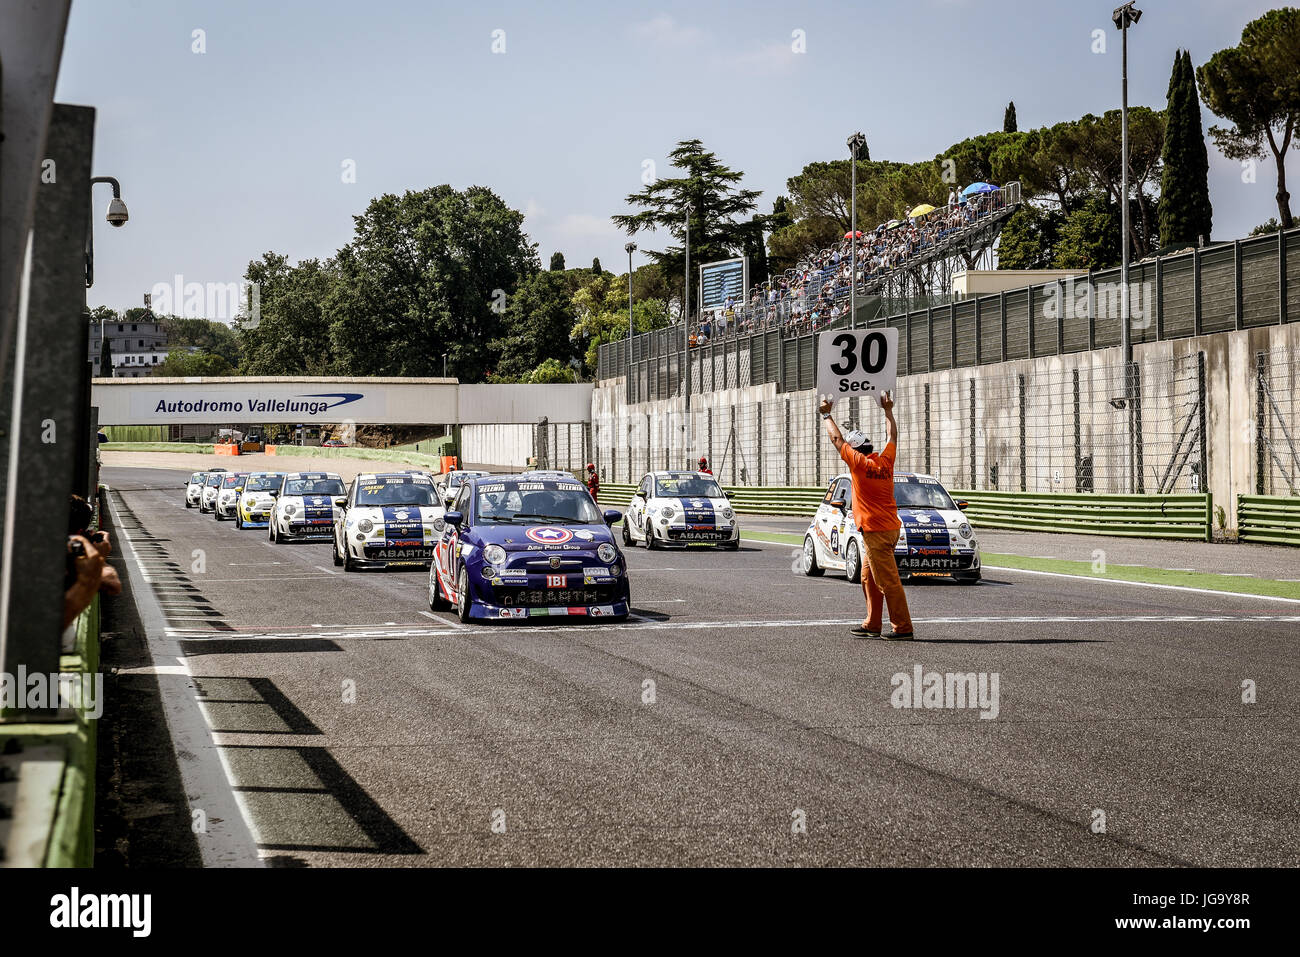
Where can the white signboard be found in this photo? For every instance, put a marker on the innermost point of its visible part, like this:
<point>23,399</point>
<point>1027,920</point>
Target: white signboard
<point>859,362</point>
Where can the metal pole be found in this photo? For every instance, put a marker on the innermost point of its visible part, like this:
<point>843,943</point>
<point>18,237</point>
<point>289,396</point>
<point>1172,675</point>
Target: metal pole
<point>686,332</point>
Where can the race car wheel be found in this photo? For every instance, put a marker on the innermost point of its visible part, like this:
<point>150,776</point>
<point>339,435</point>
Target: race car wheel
<point>334,553</point>
<point>275,532</point>
<point>189,504</point>
<point>462,595</point>
<point>651,542</point>
<point>853,564</point>
<point>810,566</point>
<point>348,564</point>
<point>216,513</point>
<point>239,519</point>
<point>627,536</point>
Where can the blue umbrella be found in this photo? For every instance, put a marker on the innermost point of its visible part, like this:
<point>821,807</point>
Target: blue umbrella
<point>979,188</point>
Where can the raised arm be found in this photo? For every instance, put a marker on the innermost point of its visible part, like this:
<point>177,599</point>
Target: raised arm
<point>832,429</point>
<point>887,403</point>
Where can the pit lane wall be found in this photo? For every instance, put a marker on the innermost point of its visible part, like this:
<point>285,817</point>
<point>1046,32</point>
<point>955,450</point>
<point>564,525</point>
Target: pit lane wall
<point>1053,424</point>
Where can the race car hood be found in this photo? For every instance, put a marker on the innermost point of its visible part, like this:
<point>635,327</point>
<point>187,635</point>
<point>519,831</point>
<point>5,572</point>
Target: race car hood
<point>311,506</point>
<point>544,538</point>
<point>694,511</point>
<point>397,515</point>
<point>918,523</point>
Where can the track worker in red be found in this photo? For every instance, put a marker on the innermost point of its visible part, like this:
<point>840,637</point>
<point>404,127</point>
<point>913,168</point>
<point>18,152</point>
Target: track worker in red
<point>593,482</point>
<point>876,514</point>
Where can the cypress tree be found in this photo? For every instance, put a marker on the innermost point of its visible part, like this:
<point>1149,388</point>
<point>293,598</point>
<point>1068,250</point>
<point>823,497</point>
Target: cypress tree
<point>1009,118</point>
<point>1185,210</point>
<point>557,262</point>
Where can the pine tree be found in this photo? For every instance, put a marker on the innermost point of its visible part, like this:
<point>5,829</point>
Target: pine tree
<point>1185,211</point>
<point>1009,118</point>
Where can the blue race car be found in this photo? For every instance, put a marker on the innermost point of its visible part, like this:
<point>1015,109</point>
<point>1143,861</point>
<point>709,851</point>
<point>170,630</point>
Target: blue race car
<point>517,547</point>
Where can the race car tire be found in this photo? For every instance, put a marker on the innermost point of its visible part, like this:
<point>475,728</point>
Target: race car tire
<point>810,566</point>
<point>853,564</point>
<point>216,513</point>
<point>651,542</point>
<point>189,504</point>
<point>239,518</point>
<point>627,536</point>
<point>334,553</point>
<point>437,601</point>
<point>275,532</point>
<point>462,596</point>
<point>348,564</point>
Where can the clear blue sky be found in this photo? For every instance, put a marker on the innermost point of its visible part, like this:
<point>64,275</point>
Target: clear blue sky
<point>228,153</point>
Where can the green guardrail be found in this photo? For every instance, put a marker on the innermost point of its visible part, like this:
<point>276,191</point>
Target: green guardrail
<point>1144,516</point>
<point>1268,519</point>
<point>194,447</point>
<point>1137,516</point>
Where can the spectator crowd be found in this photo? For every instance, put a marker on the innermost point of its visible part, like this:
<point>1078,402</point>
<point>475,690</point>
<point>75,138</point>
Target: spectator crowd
<point>815,294</point>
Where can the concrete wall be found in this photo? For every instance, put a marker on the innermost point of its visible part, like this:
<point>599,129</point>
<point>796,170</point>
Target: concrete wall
<point>565,445</point>
<point>775,438</point>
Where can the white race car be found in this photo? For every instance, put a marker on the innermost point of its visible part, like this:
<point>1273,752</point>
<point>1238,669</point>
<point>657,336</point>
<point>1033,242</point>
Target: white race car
<point>257,498</point>
<point>228,495</point>
<point>194,487</point>
<point>211,485</point>
<point>935,541</point>
<point>680,508</point>
<point>305,508</point>
<point>450,483</point>
<point>388,518</point>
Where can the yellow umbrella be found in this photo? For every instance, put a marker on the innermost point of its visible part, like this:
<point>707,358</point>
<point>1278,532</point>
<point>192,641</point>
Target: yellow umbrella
<point>921,210</point>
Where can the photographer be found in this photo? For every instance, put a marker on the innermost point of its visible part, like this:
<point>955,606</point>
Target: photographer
<point>87,571</point>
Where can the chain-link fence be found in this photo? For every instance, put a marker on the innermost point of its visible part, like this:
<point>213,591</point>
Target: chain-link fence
<point>1093,428</point>
<point>1276,425</point>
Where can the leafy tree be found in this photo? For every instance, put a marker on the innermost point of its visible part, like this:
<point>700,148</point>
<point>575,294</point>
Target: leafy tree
<point>179,364</point>
<point>537,324</point>
<point>210,336</point>
<point>557,262</point>
<point>552,370</point>
<point>1185,210</point>
<point>1089,237</point>
<point>291,335</point>
<point>1255,86</point>
<point>427,272</point>
<point>1267,228</point>
<point>709,194</point>
<point>601,309</point>
<point>1029,238</point>
<point>1098,154</point>
<point>1009,118</point>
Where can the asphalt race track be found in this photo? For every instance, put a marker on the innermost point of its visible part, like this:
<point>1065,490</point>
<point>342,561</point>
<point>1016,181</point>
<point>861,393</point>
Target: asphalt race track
<point>733,722</point>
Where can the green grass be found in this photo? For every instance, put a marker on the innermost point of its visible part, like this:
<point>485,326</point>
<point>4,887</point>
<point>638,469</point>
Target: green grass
<point>136,433</point>
<point>192,447</point>
<point>418,459</point>
<point>1142,574</point>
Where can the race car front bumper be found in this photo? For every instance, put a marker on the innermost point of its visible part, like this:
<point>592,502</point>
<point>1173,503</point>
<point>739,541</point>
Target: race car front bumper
<point>956,564</point>
<point>700,534</point>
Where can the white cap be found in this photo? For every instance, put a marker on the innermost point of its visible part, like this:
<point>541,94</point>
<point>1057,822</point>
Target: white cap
<point>856,438</point>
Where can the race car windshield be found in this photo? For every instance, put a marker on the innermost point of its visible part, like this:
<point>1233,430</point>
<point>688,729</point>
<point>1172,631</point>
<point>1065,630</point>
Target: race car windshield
<point>515,506</point>
<point>196,478</point>
<point>921,495</point>
<point>313,487</point>
<point>262,484</point>
<point>213,481</point>
<point>689,487</point>
<point>231,481</point>
<point>396,493</point>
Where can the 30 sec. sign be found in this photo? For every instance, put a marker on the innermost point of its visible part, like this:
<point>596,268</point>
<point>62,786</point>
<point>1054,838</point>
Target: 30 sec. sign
<point>858,362</point>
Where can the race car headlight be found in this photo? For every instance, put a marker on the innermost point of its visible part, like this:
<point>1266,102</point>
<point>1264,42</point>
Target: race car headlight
<point>290,509</point>
<point>439,525</point>
<point>728,514</point>
<point>606,553</point>
<point>615,570</point>
<point>365,526</point>
<point>668,511</point>
<point>494,555</point>
<point>964,530</point>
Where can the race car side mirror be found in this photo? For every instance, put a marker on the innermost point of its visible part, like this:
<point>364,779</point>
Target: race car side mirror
<point>453,518</point>
<point>274,492</point>
<point>612,515</point>
<point>340,502</point>
<point>962,505</point>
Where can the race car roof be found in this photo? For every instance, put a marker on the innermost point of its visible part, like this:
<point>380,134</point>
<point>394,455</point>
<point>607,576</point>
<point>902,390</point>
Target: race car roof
<point>900,477</point>
<point>682,474</point>
<point>312,475</point>
<point>371,478</point>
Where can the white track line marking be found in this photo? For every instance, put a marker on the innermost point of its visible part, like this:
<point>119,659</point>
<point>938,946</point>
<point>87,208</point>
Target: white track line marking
<point>1120,581</point>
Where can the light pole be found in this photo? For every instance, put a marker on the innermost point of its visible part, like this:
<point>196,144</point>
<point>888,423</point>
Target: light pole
<point>686,333</point>
<point>116,216</point>
<point>631,248</point>
<point>855,144</point>
<point>1123,16</point>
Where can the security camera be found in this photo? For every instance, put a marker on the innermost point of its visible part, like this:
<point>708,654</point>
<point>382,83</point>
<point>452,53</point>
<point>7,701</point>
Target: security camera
<point>116,212</point>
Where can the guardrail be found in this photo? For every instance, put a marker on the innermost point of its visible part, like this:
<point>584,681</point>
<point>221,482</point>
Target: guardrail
<point>1269,519</point>
<point>1137,516</point>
